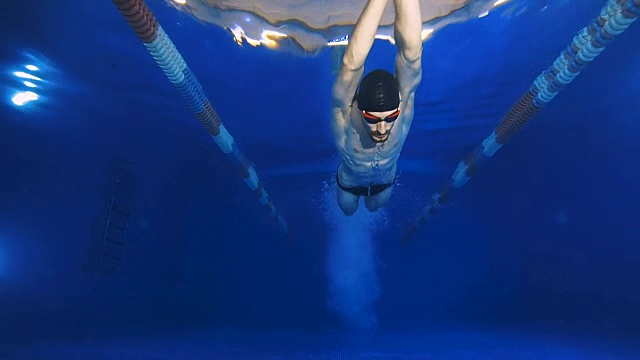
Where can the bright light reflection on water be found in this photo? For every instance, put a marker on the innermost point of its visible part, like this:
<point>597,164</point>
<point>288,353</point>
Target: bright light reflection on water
<point>24,97</point>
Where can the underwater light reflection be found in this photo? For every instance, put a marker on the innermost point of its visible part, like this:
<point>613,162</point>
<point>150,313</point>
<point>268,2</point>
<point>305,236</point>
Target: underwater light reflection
<point>24,97</point>
<point>24,75</point>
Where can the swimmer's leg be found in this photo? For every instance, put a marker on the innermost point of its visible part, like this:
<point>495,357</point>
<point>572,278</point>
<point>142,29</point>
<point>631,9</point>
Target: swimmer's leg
<point>375,202</point>
<point>348,202</point>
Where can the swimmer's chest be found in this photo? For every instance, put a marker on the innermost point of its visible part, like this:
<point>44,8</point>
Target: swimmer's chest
<point>371,154</point>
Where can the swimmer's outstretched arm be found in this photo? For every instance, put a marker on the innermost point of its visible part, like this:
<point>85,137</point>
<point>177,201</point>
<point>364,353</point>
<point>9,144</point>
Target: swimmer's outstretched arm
<point>363,35</point>
<point>407,32</point>
<point>355,54</point>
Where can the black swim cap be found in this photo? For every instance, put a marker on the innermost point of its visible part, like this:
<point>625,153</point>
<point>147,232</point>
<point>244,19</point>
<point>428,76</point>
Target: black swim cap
<point>378,92</point>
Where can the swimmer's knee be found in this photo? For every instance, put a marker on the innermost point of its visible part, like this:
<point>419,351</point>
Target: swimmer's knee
<point>347,206</point>
<point>373,206</point>
<point>347,209</point>
<point>348,202</point>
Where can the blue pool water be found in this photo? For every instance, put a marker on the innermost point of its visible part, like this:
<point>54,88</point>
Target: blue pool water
<point>535,257</point>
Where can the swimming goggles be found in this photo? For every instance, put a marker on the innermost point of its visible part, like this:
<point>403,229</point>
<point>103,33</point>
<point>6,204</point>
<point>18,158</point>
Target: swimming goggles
<point>372,120</point>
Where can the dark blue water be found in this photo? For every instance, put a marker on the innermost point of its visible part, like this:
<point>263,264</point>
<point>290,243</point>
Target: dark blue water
<point>536,257</point>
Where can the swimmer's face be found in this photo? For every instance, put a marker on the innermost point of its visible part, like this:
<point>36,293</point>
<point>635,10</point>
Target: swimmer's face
<point>379,124</point>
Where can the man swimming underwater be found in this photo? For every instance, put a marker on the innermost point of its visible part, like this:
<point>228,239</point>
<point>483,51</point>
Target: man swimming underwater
<point>371,122</point>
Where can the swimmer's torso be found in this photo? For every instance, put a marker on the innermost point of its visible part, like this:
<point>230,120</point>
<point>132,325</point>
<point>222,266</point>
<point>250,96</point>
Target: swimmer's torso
<point>365,162</point>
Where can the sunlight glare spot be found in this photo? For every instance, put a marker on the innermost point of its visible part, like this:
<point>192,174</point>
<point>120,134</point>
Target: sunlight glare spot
<point>389,38</point>
<point>24,75</point>
<point>345,40</point>
<point>267,37</point>
<point>29,84</point>
<point>339,42</point>
<point>24,97</point>
<point>181,2</point>
<point>483,14</point>
<point>32,67</point>
<point>500,2</point>
<point>238,33</point>
<point>426,33</point>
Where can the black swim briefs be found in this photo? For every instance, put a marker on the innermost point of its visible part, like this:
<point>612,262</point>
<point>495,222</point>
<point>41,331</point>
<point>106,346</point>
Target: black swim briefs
<point>365,190</point>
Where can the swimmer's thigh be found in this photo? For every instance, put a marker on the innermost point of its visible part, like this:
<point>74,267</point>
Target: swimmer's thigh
<point>348,202</point>
<point>377,201</point>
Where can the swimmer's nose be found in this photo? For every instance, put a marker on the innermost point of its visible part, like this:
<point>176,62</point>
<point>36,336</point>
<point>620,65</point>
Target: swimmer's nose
<point>382,127</point>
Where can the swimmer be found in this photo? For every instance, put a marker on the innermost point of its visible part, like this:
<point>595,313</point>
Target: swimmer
<point>372,117</point>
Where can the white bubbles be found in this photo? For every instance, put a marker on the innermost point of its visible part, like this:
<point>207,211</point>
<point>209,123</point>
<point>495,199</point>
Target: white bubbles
<point>351,264</point>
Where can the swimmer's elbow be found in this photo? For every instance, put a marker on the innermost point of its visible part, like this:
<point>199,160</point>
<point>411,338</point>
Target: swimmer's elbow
<point>412,56</point>
<point>352,64</point>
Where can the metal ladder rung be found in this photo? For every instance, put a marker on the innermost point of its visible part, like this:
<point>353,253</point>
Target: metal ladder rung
<point>112,224</point>
<point>124,211</point>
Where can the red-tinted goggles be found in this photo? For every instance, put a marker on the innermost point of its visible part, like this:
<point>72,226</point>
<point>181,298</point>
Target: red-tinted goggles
<point>372,120</point>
